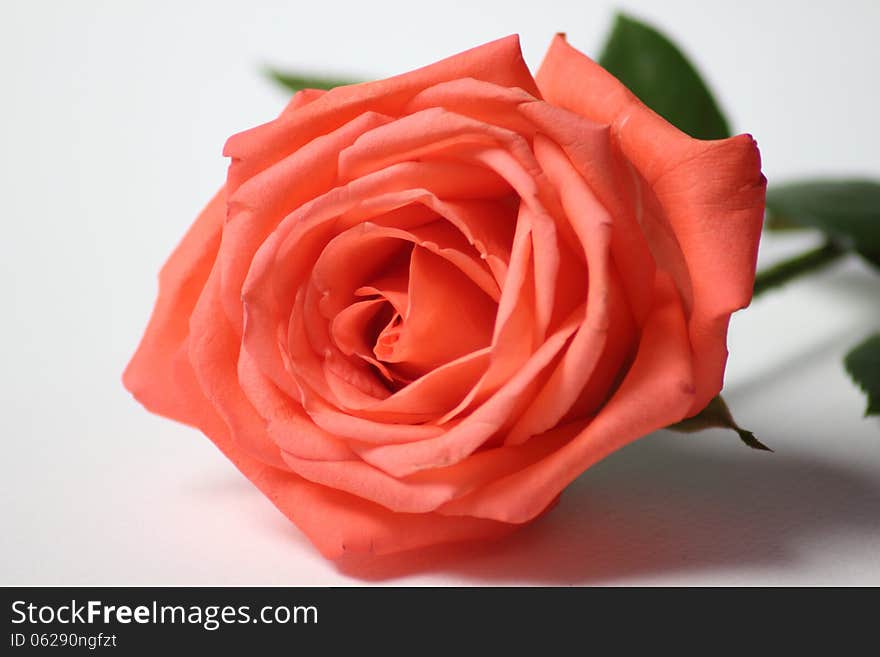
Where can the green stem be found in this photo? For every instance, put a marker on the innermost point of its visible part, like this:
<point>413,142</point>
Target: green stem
<point>801,264</point>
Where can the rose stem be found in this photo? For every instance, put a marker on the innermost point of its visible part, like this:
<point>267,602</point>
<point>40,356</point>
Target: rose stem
<point>787,270</point>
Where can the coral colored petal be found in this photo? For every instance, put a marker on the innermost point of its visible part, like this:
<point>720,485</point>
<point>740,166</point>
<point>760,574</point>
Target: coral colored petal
<point>657,391</point>
<point>499,62</point>
<point>716,219</point>
<point>159,374</point>
<point>287,424</point>
<point>338,523</point>
<point>353,327</point>
<point>422,135</point>
<point>365,431</point>
<point>433,394</point>
<point>213,351</point>
<point>488,225</point>
<point>718,223</point>
<point>592,224</point>
<point>258,205</point>
<point>461,440</point>
<point>426,491</point>
<point>618,188</point>
<point>300,99</point>
<point>367,248</point>
<point>440,295</point>
<point>618,350</point>
<point>479,100</point>
<point>365,481</point>
<point>514,337</point>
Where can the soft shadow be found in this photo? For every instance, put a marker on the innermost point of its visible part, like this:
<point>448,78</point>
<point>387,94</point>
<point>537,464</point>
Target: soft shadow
<point>856,281</point>
<point>663,505</point>
<point>791,366</point>
<point>229,494</point>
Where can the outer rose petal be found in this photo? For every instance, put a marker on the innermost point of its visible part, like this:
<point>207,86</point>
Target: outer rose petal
<point>716,218</point>
<point>337,522</point>
<point>159,374</point>
<point>499,62</point>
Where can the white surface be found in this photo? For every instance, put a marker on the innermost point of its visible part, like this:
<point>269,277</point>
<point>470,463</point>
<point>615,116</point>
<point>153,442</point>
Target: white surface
<point>113,118</point>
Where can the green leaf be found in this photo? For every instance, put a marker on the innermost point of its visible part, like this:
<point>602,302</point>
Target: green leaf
<point>293,82</point>
<point>863,365</point>
<point>656,71</point>
<point>717,415</point>
<point>846,210</point>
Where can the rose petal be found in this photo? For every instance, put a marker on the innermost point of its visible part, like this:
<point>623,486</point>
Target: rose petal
<point>715,218</point>
<point>616,186</point>
<point>350,260</point>
<point>286,422</point>
<point>515,336</point>
<point>213,351</point>
<point>300,99</point>
<point>433,394</point>
<point>657,391</point>
<point>257,206</point>
<point>439,295</point>
<point>592,224</point>
<point>476,99</point>
<point>499,62</point>
<point>352,326</point>
<point>337,522</point>
<point>425,491</point>
<point>462,439</point>
<point>159,374</point>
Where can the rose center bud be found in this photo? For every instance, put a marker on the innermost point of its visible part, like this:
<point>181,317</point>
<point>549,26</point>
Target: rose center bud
<point>446,316</point>
<point>410,301</point>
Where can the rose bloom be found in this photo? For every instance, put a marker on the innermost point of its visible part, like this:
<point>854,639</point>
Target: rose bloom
<point>421,307</point>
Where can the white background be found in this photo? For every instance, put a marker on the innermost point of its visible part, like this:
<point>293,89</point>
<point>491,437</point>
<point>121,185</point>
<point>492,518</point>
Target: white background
<point>113,119</point>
